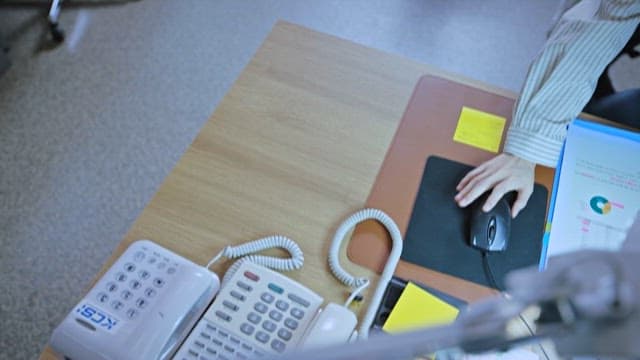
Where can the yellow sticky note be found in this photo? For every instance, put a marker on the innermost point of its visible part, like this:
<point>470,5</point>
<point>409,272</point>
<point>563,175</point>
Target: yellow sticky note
<point>479,129</point>
<point>416,308</point>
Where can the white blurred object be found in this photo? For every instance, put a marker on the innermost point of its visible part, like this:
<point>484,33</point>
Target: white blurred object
<point>588,302</point>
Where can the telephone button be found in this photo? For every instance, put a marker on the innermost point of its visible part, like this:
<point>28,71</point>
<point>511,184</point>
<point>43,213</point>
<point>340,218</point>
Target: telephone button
<point>282,305</point>
<point>158,282</point>
<point>297,313</point>
<point>150,292</point>
<point>247,328</point>
<point>275,288</point>
<point>291,324</point>
<point>126,294</point>
<point>121,277</point>
<point>229,305</point>
<point>222,315</point>
<point>278,345</point>
<point>144,274</point>
<point>129,267</point>
<point>266,297</point>
<point>254,318</point>
<point>262,336</point>
<point>103,298</point>
<point>297,299</point>
<point>269,326</point>
<point>244,286</point>
<point>117,305</point>
<point>284,334</point>
<point>139,256</point>
<point>261,308</point>
<point>237,295</point>
<point>132,313</point>
<point>135,284</point>
<point>251,276</point>
<point>141,303</point>
<point>111,287</point>
<point>275,315</point>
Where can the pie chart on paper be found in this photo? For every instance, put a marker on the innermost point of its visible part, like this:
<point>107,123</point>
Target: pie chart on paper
<point>600,205</point>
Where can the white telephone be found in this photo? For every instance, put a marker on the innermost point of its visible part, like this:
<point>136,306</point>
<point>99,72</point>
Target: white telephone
<point>258,312</point>
<point>141,308</point>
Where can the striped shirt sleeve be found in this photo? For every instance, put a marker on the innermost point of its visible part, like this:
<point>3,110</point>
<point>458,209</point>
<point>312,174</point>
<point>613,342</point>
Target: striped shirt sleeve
<point>563,77</point>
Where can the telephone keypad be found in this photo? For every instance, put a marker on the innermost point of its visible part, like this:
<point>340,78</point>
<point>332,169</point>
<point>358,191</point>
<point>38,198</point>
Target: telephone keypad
<point>133,275</point>
<point>266,313</point>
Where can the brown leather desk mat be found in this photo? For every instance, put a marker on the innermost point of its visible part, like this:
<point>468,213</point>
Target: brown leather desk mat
<point>426,128</point>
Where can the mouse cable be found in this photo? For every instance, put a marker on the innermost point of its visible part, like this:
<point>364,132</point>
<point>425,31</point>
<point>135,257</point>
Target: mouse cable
<point>492,281</point>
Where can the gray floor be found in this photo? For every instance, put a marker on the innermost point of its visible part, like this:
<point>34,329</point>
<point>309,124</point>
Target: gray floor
<point>89,129</point>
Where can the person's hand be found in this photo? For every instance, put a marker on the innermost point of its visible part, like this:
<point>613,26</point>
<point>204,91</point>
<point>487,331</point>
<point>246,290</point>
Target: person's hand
<point>503,173</point>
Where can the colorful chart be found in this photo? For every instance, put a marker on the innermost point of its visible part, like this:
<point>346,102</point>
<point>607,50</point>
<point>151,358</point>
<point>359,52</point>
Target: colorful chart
<point>600,205</point>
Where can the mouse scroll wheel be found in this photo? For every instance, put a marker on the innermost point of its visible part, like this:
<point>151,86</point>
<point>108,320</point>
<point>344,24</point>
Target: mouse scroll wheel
<point>491,231</point>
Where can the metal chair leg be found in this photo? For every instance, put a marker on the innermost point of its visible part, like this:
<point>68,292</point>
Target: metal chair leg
<point>56,32</point>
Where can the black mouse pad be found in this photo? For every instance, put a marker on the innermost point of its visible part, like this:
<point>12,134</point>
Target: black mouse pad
<point>438,233</point>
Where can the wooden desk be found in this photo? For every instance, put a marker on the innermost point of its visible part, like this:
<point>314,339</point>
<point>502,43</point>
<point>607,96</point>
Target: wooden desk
<point>293,149</point>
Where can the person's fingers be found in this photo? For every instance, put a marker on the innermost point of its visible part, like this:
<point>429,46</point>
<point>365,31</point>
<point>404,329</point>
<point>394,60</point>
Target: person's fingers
<point>471,175</point>
<point>497,193</point>
<point>468,186</point>
<point>477,188</point>
<point>521,201</point>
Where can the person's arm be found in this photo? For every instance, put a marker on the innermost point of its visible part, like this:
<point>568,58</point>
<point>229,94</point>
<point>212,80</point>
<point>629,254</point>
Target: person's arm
<point>560,82</point>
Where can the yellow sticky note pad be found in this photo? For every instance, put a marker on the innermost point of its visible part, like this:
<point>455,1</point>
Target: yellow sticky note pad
<point>416,308</point>
<point>479,129</point>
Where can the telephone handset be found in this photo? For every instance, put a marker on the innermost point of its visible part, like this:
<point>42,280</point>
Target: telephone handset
<point>141,308</point>
<point>259,311</point>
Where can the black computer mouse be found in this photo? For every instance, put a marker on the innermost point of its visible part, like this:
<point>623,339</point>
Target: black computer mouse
<point>490,231</point>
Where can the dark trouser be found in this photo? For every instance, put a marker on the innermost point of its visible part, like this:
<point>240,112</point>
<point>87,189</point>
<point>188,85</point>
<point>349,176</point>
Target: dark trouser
<point>604,87</point>
<point>624,106</point>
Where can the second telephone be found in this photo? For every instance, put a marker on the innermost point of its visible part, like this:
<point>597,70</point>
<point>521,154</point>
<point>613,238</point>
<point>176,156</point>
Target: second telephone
<point>258,312</point>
